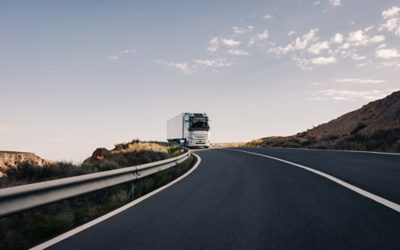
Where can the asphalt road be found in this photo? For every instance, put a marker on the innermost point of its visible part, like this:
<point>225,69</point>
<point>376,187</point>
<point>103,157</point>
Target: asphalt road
<point>235,200</point>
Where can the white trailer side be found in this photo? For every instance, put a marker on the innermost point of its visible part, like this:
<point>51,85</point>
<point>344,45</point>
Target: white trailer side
<point>175,128</point>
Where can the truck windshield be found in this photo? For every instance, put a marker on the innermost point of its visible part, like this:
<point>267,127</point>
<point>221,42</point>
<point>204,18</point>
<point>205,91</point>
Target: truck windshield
<point>199,126</point>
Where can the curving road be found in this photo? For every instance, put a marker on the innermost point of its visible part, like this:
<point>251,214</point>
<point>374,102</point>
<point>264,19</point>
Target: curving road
<point>236,200</point>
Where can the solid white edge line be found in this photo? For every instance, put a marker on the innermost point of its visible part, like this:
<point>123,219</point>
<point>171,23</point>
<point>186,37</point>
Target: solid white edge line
<point>345,151</point>
<point>114,212</point>
<point>376,198</point>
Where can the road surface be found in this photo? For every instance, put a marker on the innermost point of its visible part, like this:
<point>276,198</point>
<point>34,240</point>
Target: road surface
<point>236,200</point>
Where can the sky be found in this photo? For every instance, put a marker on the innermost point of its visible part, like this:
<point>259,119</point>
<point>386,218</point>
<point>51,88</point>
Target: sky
<point>77,75</point>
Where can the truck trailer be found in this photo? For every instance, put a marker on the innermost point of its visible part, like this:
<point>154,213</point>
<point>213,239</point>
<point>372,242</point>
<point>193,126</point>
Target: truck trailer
<point>189,129</point>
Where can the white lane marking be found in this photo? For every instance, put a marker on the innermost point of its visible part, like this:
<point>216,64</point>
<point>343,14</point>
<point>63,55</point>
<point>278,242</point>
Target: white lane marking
<point>358,190</point>
<point>345,151</point>
<point>112,213</point>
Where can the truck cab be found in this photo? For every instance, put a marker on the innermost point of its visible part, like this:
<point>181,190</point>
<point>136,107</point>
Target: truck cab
<point>197,129</point>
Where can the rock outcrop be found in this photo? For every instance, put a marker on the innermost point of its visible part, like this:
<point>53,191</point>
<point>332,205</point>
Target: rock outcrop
<point>9,159</point>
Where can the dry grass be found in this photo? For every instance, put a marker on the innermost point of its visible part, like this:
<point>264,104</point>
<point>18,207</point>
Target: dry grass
<point>123,155</point>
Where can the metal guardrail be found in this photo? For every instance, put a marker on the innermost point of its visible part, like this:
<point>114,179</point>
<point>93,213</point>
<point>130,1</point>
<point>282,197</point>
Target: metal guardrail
<point>16,199</point>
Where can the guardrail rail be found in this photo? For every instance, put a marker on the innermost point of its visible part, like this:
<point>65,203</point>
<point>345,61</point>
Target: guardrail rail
<point>19,198</point>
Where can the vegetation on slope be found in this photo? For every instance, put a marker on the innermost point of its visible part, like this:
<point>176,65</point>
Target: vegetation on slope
<point>123,155</point>
<point>29,228</point>
<point>374,127</point>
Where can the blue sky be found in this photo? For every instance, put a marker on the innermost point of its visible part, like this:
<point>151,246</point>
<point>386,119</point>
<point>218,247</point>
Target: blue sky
<point>76,75</point>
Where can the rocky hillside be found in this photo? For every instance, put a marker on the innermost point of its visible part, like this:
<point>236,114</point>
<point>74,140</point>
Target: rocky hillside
<point>9,159</point>
<point>375,126</point>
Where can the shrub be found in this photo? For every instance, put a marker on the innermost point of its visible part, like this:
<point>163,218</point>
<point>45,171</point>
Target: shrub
<point>358,127</point>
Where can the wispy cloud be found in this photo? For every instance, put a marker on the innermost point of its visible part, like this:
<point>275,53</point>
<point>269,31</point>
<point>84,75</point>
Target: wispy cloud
<point>121,53</point>
<point>323,60</point>
<point>205,63</point>
<point>306,50</point>
<point>335,3</point>
<point>268,17</point>
<point>395,65</point>
<point>318,47</point>
<point>181,66</point>
<point>257,38</point>
<point>299,44</point>
<point>238,52</point>
<point>360,81</point>
<point>128,51</point>
<point>386,53</point>
<point>195,65</point>
<point>230,42</point>
<point>360,38</point>
<point>241,30</point>
<point>350,95</point>
<point>215,43</point>
<point>113,58</point>
<point>337,39</point>
<point>392,18</point>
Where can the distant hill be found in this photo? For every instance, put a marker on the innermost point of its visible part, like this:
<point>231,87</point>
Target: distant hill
<point>10,159</point>
<point>375,126</point>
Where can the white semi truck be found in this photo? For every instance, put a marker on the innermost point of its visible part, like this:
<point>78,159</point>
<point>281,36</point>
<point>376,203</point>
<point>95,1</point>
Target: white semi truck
<point>189,129</point>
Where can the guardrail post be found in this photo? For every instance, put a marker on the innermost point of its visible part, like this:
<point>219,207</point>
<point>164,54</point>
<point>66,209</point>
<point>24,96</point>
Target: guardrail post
<point>131,190</point>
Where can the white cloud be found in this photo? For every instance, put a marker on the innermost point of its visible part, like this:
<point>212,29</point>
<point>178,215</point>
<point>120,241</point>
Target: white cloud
<point>318,47</point>
<point>316,3</point>
<point>357,37</point>
<point>258,37</point>
<point>302,43</point>
<point>112,58</point>
<point>183,67</point>
<point>360,38</point>
<point>238,52</point>
<point>392,25</point>
<point>357,57</point>
<point>230,42</point>
<point>210,63</point>
<point>281,50</point>
<point>195,65</point>
<point>323,60</point>
<point>268,17</point>
<point>128,51</point>
<point>386,53</point>
<point>214,44</point>
<point>299,44</point>
<point>335,3</point>
<point>292,33</point>
<point>302,63</point>
<point>306,64</point>
<point>393,11</point>
<point>240,30</point>
<point>394,65</point>
<point>392,17</point>
<point>361,81</point>
<point>338,38</point>
<point>377,39</point>
<point>350,95</point>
